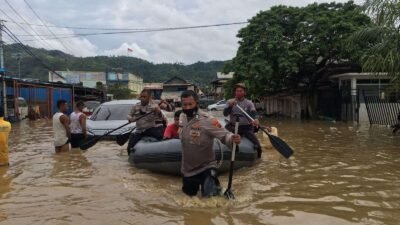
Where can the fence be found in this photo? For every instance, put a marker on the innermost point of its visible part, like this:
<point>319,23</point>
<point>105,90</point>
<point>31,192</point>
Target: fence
<point>380,110</point>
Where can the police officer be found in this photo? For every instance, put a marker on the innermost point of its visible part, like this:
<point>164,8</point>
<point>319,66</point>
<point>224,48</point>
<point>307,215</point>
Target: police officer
<point>246,127</point>
<point>197,132</point>
<point>151,125</point>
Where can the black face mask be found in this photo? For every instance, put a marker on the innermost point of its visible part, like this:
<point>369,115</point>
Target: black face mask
<point>190,112</point>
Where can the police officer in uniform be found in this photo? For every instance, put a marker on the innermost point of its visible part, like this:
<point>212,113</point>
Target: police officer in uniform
<point>246,127</point>
<point>151,125</point>
<point>197,133</point>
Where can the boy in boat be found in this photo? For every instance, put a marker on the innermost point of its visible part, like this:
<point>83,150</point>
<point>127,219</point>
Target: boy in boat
<point>62,132</point>
<point>171,132</point>
<point>149,126</point>
<point>197,132</point>
<point>246,127</point>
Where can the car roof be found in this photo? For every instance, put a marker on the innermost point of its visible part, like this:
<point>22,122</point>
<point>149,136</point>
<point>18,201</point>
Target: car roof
<point>121,102</point>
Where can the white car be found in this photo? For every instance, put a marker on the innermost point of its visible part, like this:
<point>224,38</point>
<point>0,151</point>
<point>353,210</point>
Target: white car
<point>219,106</point>
<point>109,116</point>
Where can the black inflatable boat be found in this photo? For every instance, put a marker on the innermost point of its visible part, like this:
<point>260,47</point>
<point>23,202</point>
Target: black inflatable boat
<point>165,156</point>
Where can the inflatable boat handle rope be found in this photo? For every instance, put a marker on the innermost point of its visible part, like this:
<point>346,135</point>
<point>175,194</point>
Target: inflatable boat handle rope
<point>219,164</point>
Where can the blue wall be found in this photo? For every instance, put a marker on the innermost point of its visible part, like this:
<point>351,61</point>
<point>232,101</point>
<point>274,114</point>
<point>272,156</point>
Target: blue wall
<point>62,93</point>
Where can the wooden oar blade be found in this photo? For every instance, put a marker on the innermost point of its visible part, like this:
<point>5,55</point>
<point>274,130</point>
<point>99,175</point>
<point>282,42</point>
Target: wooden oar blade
<point>281,146</point>
<point>229,194</point>
<point>89,143</point>
<point>123,138</point>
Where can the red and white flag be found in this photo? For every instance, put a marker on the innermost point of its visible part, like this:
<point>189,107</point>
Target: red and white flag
<point>130,50</point>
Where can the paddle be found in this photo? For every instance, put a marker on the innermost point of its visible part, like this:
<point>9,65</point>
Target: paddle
<point>91,142</point>
<point>278,143</point>
<point>229,193</point>
<point>123,138</point>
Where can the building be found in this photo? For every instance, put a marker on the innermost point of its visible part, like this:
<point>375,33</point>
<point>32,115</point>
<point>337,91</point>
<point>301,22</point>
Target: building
<point>218,84</point>
<point>341,96</point>
<point>85,78</point>
<point>156,89</point>
<point>132,81</point>
<point>367,98</point>
<point>42,97</point>
<point>173,88</point>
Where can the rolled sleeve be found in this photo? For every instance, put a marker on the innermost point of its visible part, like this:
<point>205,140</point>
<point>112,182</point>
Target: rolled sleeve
<point>214,129</point>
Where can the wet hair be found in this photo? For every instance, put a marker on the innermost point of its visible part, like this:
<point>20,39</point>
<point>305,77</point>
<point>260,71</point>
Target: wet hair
<point>1,112</point>
<point>60,102</point>
<point>189,93</point>
<point>79,104</point>
<point>177,113</point>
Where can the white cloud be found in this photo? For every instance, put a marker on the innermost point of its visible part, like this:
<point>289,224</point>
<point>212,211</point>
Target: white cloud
<point>123,51</point>
<point>186,46</point>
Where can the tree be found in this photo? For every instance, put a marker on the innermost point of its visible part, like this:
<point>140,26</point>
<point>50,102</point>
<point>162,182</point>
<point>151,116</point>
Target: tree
<point>288,47</point>
<point>382,41</point>
<point>200,72</point>
<point>120,91</point>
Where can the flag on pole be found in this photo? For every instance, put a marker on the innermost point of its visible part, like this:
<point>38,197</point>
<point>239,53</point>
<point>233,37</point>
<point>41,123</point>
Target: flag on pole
<point>130,50</point>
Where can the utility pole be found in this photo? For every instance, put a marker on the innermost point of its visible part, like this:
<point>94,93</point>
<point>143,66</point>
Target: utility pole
<point>1,47</point>
<point>18,57</point>
<point>3,71</point>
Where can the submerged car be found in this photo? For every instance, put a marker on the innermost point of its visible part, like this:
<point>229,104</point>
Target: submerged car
<point>219,106</point>
<point>109,116</point>
<point>90,107</point>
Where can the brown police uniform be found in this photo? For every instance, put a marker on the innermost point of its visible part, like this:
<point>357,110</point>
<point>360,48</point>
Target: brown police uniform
<point>149,126</point>
<point>198,158</point>
<point>246,129</point>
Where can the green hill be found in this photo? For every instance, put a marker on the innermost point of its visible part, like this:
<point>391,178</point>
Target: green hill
<point>201,73</point>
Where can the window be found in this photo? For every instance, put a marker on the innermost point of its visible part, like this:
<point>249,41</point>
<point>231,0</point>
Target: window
<point>111,112</point>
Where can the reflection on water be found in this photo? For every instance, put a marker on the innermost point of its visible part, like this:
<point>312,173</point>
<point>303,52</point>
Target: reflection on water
<point>340,174</point>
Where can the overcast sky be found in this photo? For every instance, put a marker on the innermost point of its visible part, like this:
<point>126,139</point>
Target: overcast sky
<point>186,46</point>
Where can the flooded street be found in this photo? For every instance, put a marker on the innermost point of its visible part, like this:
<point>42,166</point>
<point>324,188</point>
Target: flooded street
<point>339,175</point>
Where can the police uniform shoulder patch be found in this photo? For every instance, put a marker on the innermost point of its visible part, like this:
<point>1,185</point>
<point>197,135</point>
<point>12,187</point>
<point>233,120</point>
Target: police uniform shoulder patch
<point>216,123</point>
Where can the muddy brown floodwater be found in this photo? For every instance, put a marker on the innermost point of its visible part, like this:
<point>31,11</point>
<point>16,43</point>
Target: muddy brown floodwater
<point>340,174</point>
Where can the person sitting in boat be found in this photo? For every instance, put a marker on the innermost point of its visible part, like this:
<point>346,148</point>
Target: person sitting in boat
<point>149,126</point>
<point>246,127</point>
<point>197,132</point>
<point>172,129</point>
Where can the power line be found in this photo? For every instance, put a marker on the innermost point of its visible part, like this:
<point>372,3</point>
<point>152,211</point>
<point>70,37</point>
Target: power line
<point>124,29</point>
<point>15,11</point>
<point>144,31</point>
<point>21,27</point>
<point>34,12</point>
<point>27,50</point>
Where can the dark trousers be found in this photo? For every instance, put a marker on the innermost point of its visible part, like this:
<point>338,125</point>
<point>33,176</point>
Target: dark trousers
<point>134,138</point>
<point>247,131</point>
<point>396,128</point>
<point>208,182</point>
<point>77,140</point>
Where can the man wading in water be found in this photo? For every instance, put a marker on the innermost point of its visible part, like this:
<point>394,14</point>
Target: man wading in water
<point>197,131</point>
<point>78,125</point>
<point>61,128</point>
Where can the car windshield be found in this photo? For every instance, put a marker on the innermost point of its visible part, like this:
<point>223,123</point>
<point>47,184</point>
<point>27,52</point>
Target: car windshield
<point>221,102</point>
<point>92,104</point>
<point>111,112</point>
